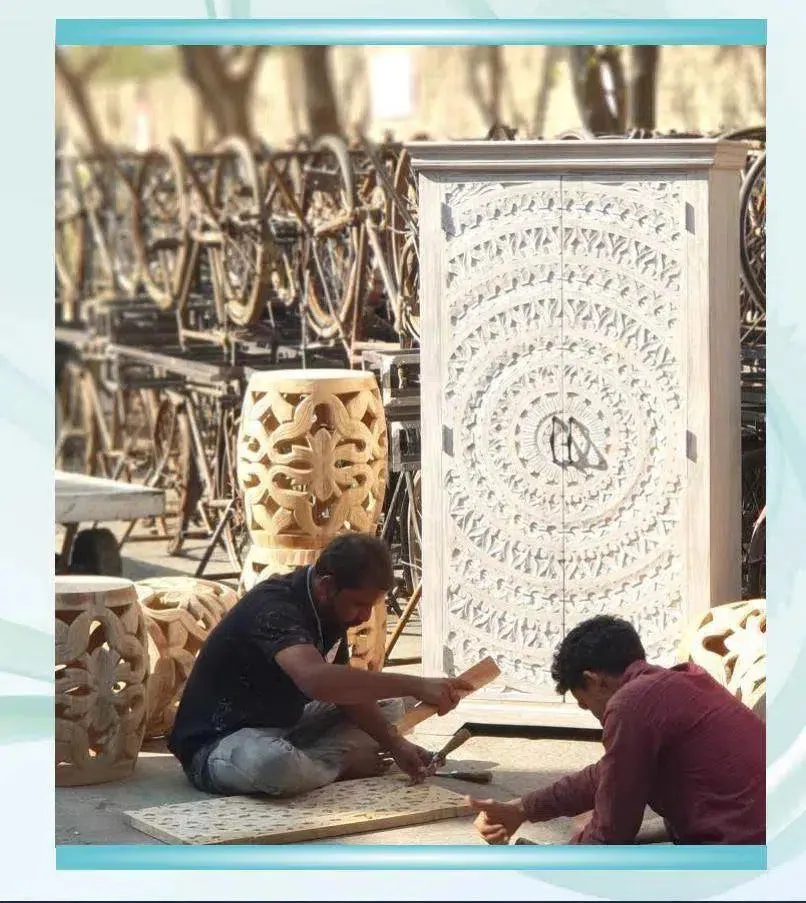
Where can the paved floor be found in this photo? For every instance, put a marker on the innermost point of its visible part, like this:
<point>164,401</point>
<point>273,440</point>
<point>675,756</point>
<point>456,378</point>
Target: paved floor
<point>93,815</point>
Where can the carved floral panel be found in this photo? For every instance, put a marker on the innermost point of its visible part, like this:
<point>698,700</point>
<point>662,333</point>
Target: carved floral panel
<point>563,406</point>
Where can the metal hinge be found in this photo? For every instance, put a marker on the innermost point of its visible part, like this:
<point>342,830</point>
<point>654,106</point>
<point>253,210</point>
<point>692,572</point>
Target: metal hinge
<point>690,219</point>
<point>446,219</point>
<point>447,441</point>
<point>691,446</point>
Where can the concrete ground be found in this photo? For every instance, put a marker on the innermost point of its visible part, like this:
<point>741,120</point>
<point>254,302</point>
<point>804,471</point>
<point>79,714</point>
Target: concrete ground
<point>519,761</point>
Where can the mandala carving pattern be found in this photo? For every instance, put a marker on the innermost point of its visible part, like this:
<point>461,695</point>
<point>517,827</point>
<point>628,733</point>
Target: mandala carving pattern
<point>101,679</point>
<point>180,612</point>
<point>564,390</point>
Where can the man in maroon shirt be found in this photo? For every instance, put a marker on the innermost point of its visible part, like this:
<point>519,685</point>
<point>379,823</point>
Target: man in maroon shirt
<point>674,740</point>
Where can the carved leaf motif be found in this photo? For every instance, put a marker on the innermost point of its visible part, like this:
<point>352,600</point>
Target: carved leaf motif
<point>100,685</point>
<point>311,466</point>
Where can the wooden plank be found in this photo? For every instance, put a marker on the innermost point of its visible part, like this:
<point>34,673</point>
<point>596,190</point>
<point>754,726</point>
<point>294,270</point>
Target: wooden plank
<point>81,498</point>
<point>348,807</point>
<point>479,676</point>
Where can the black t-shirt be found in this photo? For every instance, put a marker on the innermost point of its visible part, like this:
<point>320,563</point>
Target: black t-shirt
<point>236,682</point>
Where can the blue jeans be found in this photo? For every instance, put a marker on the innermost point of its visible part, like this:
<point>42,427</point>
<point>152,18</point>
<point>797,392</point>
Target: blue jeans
<point>283,761</point>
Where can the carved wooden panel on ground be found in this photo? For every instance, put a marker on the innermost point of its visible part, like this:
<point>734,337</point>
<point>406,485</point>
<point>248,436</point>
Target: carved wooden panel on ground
<point>101,679</point>
<point>180,612</point>
<point>348,807</point>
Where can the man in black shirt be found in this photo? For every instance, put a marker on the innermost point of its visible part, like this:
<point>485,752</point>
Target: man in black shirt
<point>271,705</point>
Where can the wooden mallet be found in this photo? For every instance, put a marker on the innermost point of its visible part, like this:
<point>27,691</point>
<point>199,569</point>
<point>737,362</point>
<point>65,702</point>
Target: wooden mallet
<point>485,672</point>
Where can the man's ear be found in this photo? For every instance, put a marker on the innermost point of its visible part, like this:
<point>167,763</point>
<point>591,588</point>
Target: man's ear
<point>323,582</point>
<point>593,680</point>
<point>328,585</point>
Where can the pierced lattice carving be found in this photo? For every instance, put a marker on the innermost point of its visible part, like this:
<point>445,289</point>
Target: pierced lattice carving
<point>262,562</point>
<point>101,679</point>
<point>312,456</point>
<point>347,807</point>
<point>730,643</point>
<point>367,642</point>
<point>180,612</point>
<point>564,391</point>
<point>312,463</point>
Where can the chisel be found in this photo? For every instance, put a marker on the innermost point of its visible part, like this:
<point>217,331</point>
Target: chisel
<point>475,777</point>
<point>460,737</point>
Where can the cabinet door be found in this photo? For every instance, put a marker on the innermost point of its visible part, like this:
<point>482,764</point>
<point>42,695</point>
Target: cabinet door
<point>494,513</point>
<point>623,386</point>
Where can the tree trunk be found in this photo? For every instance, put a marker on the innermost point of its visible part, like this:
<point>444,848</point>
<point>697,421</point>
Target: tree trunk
<point>550,57</point>
<point>598,79</point>
<point>224,97</point>
<point>495,63</point>
<point>76,92</point>
<point>320,98</point>
<point>643,84</point>
<point>487,99</point>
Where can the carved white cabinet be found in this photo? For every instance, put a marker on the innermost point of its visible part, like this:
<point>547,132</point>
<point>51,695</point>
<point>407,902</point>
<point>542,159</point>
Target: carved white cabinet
<point>580,401</point>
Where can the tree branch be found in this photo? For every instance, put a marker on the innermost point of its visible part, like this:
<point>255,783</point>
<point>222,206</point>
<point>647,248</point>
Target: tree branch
<point>93,64</point>
<point>591,69</point>
<point>231,55</point>
<point>642,93</point>
<point>254,57</point>
<point>75,89</point>
<point>224,97</point>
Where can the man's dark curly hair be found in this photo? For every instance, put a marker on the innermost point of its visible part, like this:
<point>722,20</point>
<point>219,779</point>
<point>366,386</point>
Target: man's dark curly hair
<point>604,643</point>
<point>356,561</point>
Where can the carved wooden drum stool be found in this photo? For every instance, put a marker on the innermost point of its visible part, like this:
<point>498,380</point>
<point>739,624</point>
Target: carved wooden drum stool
<point>730,643</point>
<point>101,679</point>
<point>180,612</point>
<point>312,463</point>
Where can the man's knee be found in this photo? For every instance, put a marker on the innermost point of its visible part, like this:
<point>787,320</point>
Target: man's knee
<point>270,766</point>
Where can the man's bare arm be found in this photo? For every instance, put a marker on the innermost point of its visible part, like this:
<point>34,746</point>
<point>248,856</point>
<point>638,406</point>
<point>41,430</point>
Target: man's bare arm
<point>369,717</point>
<point>343,685</point>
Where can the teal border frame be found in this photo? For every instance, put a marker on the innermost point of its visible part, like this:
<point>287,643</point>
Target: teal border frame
<point>749,860</point>
<point>374,857</point>
<point>727,32</point>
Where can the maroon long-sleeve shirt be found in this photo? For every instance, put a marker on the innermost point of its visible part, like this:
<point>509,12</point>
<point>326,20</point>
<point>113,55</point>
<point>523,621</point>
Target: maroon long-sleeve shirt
<point>679,742</point>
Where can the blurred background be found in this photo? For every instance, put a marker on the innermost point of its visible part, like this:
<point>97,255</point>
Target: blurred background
<point>138,97</point>
<point>226,210</point>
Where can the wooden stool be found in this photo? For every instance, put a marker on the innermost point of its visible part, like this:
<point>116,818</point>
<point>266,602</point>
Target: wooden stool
<point>101,677</point>
<point>312,459</point>
<point>180,612</point>
<point>312,463</point>
<point>730,642</point>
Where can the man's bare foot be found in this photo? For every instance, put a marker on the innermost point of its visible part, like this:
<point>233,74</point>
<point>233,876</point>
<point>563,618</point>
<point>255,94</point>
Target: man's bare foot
<point>363,762</point>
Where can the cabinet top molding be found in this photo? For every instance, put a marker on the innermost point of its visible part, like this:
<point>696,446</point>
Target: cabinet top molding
<point>578,156</point>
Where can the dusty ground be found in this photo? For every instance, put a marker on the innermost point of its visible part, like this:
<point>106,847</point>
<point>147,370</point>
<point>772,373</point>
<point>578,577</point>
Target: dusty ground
<point>93,815</point>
